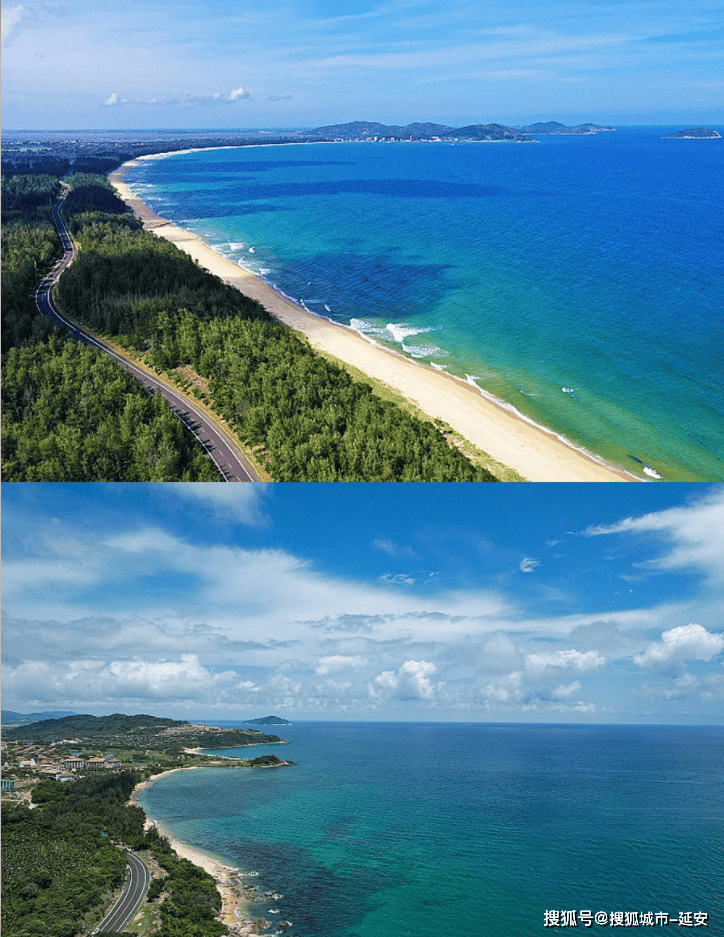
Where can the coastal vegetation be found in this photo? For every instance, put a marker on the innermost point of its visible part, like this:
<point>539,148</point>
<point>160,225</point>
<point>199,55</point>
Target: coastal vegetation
<point>70,416</point>
<point>63,860</point>
<point>69,412</point>
<point>305,417</point>
<point>64,834</point>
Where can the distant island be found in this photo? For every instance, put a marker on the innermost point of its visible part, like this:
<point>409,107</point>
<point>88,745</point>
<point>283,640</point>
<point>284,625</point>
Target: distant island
<point>554,127</point>
<point>362,131</point>
<point>267,721</point>
<point>369,131</point>
<point>695,133</point>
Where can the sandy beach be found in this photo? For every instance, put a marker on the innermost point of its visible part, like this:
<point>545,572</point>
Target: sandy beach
<point>535,453</point>
<point>225,876</point>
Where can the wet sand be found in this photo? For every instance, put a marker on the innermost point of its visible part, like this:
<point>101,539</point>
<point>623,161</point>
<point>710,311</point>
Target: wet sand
<point>532,451</point>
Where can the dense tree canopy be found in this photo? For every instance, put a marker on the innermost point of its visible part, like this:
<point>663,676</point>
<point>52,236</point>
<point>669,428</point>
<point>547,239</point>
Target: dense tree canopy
<point>70,412</point>
<point>61,862</point>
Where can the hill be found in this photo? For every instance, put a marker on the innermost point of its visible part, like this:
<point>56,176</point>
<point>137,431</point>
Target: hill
<point>555,127</point>
<point>370,131</point>
<point>267,721</point>
<point>9,717</point>
<point>695,133</point>
<point>139,732</point>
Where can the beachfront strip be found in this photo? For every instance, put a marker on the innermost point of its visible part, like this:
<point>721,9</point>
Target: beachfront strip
<point>512,440</point>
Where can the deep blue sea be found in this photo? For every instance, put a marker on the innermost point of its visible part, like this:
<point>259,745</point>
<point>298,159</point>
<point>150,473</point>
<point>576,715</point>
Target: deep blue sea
<point>578,278</point>
<point>423,830</point>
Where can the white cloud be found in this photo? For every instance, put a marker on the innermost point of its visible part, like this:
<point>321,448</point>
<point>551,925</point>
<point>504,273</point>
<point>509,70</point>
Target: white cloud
<point>565,690</point>
<point>184,678</point>
<point>400,579</point>
<point>687,642</point>
<point>247,685</point>
<point>506,689</point>
<point>528,564</point>
<point>410,682</point>
<point>11,19</point>
<point>244,506</point>
<point>391,548</point>
<point>564,660</point>
<point>337,662</point>
<point>695,531</point>
<point>182,99</point>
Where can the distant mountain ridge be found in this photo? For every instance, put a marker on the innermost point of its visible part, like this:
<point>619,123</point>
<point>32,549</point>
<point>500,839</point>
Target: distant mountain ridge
<point>369,130</point>
<point>553,126</point>
<point>8,716</point>
<point>141,731</point>
<point>362,130</point>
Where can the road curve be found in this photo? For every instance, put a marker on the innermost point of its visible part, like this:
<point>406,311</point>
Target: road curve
<point>231,463</point>
<point>138,878</point>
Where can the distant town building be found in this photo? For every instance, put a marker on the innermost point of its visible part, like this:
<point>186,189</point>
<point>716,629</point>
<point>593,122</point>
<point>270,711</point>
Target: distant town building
<point>8,784</point>
<point>73,764</point>
<point>94,764</point>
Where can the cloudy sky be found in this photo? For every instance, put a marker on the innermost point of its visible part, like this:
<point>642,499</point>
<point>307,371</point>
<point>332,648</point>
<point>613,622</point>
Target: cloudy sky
<point>407,602</point>
<point>303,63</point>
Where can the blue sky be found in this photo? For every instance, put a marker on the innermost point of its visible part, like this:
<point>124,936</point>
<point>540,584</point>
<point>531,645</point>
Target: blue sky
<point>450,602</point>
<point>304,63</point>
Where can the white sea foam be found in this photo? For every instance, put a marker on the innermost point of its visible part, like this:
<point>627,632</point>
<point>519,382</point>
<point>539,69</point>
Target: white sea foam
<point>422,351</point>
<point>652,473</point>
<point>438,367</point>
<point>237,245</point>
<point>251,250</point>
<point>402,331</point>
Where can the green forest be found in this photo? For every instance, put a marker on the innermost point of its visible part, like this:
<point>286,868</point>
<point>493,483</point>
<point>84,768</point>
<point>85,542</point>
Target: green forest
<point>69,412</point>
<point>305,417</point>
<point>61,863</point>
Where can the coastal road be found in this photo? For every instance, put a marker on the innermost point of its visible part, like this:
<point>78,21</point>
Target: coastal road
<point>222,450</point>
<point>138,878</point>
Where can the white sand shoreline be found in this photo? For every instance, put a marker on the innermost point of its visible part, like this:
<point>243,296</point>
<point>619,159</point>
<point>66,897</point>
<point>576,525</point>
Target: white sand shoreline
<point>232,901</point>
<point>508,436</point>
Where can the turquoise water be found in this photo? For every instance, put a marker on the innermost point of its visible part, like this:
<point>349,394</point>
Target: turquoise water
<point>391,830</point>
<point>577,278</point>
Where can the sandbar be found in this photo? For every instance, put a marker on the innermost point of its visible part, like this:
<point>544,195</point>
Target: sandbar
<point>534,452</point>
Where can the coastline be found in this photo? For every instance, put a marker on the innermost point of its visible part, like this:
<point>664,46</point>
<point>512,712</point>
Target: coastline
<point>534,452</point>
<point>232,900</point>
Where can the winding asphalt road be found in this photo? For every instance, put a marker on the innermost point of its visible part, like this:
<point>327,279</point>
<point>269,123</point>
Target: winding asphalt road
<point>138,878</point>
<point>231,463</point>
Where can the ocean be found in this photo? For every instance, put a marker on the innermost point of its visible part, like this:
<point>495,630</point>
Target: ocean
<point>420,830</point>
<point>577,278</point>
